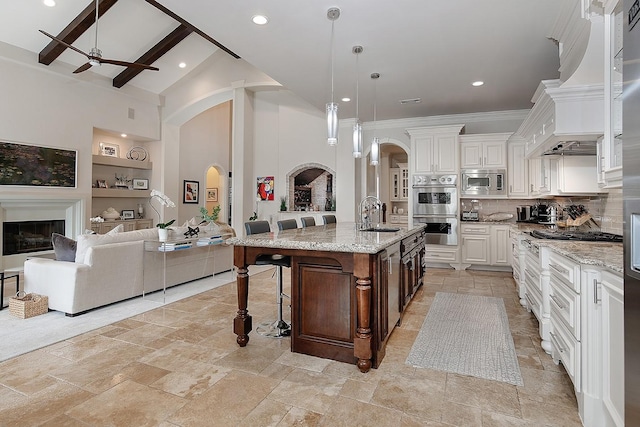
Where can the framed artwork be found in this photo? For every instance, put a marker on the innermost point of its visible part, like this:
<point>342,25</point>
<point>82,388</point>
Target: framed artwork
<point>140,184</point>
<point>128,214</point>
<point>265,188</point>
<point>190,193</point>
<point>31,165</point>
<point>212,194</point>
<point>111,150</point>
<point>102,183</point>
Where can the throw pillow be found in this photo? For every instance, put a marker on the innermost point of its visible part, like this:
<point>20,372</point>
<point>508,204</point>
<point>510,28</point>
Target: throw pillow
<point>115,230</point>
<point>64,247</point>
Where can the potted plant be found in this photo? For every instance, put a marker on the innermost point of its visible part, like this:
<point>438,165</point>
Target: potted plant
<point>212,218</point>
<point>283,203</point>
<point>163,230</point>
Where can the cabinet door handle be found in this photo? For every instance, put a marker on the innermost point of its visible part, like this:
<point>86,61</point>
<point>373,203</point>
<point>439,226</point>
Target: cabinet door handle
<point>529,302</point>
<point>596,299</point>
<point>555,299</point>
<point>561,349</point>
<point>559,269</point>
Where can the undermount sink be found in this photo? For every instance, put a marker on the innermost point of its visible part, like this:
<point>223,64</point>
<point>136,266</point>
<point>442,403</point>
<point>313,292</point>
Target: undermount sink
<point>382,229</point>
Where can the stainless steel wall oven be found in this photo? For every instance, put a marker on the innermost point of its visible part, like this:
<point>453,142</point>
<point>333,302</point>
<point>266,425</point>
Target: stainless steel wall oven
<point>435,204</point>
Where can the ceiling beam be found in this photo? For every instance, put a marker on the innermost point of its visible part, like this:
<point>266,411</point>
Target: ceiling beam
<point>152,55</point>
<point>193,28</point>
<point>75,29</point>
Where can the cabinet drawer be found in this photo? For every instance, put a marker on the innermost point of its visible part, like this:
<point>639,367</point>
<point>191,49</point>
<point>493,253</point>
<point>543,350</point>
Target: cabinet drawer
<point>398,219</point>
<point>565,306</point>
<point>534,300</point>
<point>565,270</point>
<point>474,228</point>
<point>567,349</point>
<point>440,256</point>
<point>532,278</point>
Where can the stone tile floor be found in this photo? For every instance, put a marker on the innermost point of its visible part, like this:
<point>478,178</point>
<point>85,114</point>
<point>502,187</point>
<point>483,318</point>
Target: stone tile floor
<point>179,365</point>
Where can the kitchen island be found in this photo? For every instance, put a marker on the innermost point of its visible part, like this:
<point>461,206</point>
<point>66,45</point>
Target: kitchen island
<point>343,299</point>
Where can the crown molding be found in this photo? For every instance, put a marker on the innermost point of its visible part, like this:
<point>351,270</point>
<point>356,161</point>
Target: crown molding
<point>450,119</point>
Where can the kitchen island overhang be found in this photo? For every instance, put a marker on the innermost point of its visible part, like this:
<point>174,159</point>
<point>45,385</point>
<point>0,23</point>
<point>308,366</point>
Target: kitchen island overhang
<point>339,287</point>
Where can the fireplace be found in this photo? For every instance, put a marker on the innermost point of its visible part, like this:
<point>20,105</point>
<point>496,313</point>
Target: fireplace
<point>20,237</point>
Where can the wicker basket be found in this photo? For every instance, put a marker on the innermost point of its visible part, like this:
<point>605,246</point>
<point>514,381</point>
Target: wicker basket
<point>28,305</point>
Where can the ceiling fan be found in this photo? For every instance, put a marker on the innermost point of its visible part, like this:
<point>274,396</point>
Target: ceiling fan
<point>95,54</point>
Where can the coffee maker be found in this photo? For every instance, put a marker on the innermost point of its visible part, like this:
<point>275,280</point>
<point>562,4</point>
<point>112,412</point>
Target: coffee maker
<point>527,213</point>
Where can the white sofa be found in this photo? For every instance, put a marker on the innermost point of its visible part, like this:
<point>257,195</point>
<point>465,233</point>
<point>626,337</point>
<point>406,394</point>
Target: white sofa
<point>113,267</point>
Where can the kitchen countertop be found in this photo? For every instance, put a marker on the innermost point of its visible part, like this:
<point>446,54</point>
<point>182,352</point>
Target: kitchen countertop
<point>600,254</point>
<point>340,237</point>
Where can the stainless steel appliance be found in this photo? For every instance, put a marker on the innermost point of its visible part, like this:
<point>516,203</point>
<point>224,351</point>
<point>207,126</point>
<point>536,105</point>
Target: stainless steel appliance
<point>527,213</point>
<point>435,205</point>
<point>435,195</point>
<point>631,200</point>
<point>440,230</point>
<point>476,182</point>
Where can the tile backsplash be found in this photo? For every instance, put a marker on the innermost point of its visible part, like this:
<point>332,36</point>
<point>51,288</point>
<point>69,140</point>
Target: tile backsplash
<point>606,209</point>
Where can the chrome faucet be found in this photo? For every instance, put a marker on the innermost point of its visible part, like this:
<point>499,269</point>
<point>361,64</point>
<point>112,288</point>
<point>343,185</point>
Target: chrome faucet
<point>370,206</point>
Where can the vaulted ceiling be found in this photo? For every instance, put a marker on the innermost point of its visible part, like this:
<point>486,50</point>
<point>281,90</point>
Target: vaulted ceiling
<point>432,50</point>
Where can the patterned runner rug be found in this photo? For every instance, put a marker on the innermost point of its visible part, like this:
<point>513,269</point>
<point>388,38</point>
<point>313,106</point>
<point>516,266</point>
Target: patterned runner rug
<point>469,335</point>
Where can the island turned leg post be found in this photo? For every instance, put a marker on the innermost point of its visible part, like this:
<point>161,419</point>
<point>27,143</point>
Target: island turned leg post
<point>362,341</point>
<point>242,322</point>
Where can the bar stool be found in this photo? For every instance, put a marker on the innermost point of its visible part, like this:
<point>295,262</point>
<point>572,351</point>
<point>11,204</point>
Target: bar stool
<point>287,224</point>
<point>329,219</point>
<point>307,221</point>
<point>278,328</point>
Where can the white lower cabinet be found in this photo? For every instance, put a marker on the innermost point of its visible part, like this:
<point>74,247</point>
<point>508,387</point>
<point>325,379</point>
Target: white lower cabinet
<point>485,244</point>
<point>587,336</point>
<point>441,254</point>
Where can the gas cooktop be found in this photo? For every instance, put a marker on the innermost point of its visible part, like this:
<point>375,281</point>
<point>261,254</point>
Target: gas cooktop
<point>585,236</point>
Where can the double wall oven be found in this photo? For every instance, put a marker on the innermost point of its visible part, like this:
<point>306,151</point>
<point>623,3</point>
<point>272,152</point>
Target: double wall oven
<point>435,204</point>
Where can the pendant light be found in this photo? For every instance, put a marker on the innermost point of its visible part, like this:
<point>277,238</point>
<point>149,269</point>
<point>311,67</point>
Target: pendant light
<point>375,142</point>
<point>332,107</point>
<point>357,127</point>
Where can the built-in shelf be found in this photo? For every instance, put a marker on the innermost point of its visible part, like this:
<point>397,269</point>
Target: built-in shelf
<point>119,192</point>
<point>123,163</point>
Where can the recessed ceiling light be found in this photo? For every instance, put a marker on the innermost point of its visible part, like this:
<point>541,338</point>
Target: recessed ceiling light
<point>478,83</point>
<point>260,19</point>
<point>49,3</point>
<point>345,99</point>
<point>182,65</point>
<point>124,135</point>
<point>411,101</point>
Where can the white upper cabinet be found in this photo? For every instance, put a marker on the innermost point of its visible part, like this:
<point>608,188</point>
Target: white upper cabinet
<point>484,151</point>
<point>435,149</point>
<point>517,170</point>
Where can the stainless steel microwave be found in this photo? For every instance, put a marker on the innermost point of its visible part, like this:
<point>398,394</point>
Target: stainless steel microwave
<point>476,182</point>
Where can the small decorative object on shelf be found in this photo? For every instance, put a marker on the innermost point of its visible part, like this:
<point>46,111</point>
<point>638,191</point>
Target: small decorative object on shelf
<point>122,181</point>
<point>127,214</point>
<point>111,150</point>
<point>111,213</point>
<point>96,219</point>
<point>192,232</point>
<point>283,203</point>
<point>215,212</point>
<point>140,184</point>
<point>140,210</point>
<point>137,153</point>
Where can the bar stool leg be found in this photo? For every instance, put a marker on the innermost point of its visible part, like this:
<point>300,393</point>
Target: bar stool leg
<point>279,328</point>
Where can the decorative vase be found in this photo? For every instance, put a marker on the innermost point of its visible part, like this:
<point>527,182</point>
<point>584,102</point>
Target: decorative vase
<point>163,234</point>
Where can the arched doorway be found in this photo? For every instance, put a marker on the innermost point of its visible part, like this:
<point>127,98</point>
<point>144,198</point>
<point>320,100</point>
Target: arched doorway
<point>311,187</point>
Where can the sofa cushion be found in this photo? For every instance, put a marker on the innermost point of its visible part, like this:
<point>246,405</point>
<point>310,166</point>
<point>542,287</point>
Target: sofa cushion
<point>64,247</point>
<point>86,241</point>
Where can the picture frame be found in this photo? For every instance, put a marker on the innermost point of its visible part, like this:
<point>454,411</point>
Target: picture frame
<point>190,191</point>
<point>37,166</point>
<point>109,150</point>
<point>140,184</point>
<point>212,194</point>
<point>128,214</point>
<point>102,183</point>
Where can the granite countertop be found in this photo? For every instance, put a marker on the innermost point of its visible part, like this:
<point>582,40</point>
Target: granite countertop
<point>340,237</point>
<point>600,254</point>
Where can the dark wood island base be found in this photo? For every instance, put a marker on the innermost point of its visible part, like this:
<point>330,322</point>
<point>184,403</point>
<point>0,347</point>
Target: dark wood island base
<point>339,300</point>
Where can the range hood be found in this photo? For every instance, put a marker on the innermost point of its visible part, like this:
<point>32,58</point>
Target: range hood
<point>573,148</point>
<point>565,119</point>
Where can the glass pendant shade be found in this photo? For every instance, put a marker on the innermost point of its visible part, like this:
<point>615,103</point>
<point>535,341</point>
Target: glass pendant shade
<point>375,151</point>
<point>357,140</point>
<point>332,123</point>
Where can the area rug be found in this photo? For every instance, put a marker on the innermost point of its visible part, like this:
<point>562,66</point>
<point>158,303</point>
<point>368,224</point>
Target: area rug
<point>469,335</point>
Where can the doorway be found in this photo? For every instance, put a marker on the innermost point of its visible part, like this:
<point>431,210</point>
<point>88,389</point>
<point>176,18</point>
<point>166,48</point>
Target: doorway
<point>216,191</point>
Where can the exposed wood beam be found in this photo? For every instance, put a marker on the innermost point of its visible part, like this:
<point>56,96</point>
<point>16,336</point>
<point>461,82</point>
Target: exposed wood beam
<point>153,54</point>
<point>193,28</point>
<point>75,29</point>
